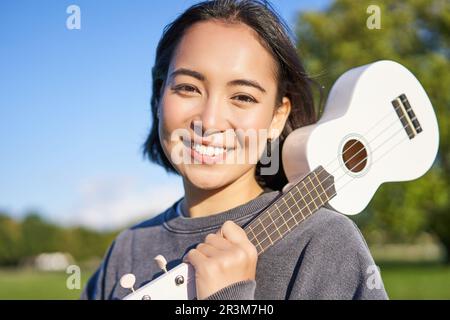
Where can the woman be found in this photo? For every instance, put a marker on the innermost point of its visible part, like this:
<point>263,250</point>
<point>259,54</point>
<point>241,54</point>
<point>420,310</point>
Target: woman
<point>223,68</point>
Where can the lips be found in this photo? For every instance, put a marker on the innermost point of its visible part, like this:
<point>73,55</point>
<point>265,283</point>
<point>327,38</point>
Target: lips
<point>207,153</point>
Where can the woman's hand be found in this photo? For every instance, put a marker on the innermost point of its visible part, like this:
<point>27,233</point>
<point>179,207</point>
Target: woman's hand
<point>222,260</point>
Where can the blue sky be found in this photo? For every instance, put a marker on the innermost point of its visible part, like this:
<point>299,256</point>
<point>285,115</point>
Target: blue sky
<point>74,108</point>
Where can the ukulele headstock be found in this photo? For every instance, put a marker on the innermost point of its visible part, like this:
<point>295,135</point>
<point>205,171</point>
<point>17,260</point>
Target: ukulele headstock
<point>175,284</point>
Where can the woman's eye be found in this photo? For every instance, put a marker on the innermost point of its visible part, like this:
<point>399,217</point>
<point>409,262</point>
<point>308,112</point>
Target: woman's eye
<point>186,88</point>
<point>245,98</point>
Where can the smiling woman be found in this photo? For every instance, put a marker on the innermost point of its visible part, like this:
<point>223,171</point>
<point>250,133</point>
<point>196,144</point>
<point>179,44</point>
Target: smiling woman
<point>223,69</point>
<point>238,52</point>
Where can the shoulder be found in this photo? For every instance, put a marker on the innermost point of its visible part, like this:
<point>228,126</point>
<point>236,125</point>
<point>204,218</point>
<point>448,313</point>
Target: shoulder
<point>335,262</point>
<point>335,231</point>
<point>139,234</point>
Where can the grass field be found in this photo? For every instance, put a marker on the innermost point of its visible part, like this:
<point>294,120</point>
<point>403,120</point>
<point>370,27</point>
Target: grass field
<point>416,281</point>
<point>27,284</point>
<point>410,281</point>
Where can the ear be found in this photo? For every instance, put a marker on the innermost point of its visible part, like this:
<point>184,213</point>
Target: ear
<point>280,116</point>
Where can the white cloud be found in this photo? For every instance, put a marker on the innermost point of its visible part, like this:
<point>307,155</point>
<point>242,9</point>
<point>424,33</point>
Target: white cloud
<point>114,202</point>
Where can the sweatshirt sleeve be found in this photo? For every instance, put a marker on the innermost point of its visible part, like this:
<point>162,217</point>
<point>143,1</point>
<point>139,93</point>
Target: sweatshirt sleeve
<point>337,264</point>
<point>242,290</point>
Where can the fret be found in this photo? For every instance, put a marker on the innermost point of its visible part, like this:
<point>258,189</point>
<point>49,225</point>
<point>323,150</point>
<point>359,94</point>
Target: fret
<point>327,183</point>
<point>301,203</point>
<point>307,199</point>
<point>289,210</point>
<point>322,191</point>
<point>318,189</point>
<point>260,231</point>
<point>281,214</point>
<point>290,202</point>
<point>294,201</point>
<point>284,228</point>
<point>268,234</point>
<point>257,228</point>
<point>290,222</point>
<point>273,222</point>
<point>253,235</point>
<point>266,243</point>
<point>313,192</point>
<point>282,206</point>
<point>253,238</point>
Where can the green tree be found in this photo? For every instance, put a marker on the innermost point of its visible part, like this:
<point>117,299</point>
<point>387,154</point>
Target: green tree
<point>10,241</point>
<point>415,33</point>
<point>39,236</point>
<point>84,243</point>
<point>34,235</point>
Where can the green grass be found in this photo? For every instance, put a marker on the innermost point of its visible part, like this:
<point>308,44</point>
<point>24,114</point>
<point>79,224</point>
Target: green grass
<point>402,281</point>
<point>416,281</point>
<point>27,284</point>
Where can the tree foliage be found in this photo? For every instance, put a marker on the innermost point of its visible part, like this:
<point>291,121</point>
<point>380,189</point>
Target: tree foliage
<point>33,235</point>
<point>415,33</point>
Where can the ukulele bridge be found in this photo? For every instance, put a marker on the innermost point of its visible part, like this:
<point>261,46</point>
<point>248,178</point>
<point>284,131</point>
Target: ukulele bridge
<point>407,116</point>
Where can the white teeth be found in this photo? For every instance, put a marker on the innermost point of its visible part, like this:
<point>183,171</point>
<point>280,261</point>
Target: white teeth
<point>208,150</point>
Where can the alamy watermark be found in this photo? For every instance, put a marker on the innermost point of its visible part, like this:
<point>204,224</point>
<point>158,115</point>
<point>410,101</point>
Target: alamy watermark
<point>73,21</point>
<point>73,281</point>
<point>374,280</point>
<point>374,20</point>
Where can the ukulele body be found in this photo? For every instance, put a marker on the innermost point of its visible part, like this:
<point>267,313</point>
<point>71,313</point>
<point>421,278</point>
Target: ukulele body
<point>360,121</point>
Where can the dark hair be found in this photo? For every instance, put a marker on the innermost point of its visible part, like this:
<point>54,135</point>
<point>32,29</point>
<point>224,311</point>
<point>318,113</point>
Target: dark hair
<point>293,82</point>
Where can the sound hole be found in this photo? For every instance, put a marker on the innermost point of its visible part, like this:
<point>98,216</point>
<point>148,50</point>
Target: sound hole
<point>354,155</point>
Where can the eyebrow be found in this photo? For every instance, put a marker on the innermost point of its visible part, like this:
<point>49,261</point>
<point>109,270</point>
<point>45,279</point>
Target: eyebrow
<point>201,77</point>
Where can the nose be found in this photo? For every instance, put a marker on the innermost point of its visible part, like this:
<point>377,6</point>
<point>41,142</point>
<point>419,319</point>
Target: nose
<point>212,116</point>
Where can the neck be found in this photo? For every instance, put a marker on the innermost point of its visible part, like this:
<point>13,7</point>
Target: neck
<point>200,202</point>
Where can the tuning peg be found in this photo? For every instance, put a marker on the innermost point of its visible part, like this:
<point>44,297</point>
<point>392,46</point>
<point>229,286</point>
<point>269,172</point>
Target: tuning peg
<point>161,262</point>
<point>127,281</point>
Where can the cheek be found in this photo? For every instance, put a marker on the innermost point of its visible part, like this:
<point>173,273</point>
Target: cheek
<point>252,133</point>
<point>256,122</point>
<point>171,113</point>
<point>257,118</point>
<point>174,115</point>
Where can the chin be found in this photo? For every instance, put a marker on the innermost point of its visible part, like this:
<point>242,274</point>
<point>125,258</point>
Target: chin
<point>207,180</point>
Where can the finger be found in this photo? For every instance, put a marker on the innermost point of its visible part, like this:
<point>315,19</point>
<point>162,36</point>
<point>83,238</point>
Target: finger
<point>217,241</point>
<point>195,258</point>
<point>208,250</point>
<point>234,233</point>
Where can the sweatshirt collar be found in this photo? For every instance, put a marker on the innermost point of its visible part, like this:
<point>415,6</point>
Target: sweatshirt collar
<point>240,214</point>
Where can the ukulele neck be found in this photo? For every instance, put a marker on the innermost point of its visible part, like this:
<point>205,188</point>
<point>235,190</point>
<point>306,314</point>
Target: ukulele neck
<point>291,208</point>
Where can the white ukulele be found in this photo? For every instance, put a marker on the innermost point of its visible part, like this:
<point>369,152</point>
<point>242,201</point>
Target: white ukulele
<point>378,126</point>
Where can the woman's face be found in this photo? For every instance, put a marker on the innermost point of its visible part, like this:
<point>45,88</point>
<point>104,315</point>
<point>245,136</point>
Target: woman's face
<point>220,93</point>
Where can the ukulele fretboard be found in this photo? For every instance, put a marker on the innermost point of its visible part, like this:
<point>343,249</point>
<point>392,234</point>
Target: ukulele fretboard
<point>291,208</point>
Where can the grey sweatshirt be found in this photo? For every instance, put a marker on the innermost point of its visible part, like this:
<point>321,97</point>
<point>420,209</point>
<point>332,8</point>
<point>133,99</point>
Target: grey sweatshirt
<point>325,257</point>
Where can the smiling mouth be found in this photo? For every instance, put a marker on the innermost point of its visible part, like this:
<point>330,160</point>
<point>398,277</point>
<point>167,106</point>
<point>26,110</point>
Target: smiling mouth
<point>206,154</point>
<point>210,151</point>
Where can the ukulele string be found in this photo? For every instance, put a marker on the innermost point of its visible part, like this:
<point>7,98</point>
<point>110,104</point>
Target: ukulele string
<point>324,192</point>
<point>336,158</point>
<point>319,194</point>
<point>366,133</point>
<point>369,142</point>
